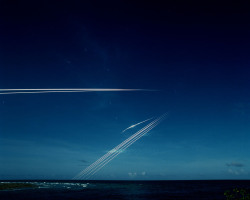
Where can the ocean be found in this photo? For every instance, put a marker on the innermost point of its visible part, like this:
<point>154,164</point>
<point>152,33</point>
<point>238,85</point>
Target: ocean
<point>124,190</point>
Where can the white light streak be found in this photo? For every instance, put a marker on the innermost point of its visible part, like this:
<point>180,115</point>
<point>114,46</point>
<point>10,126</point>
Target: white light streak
<point>104,160</point>
<point>117,153</point>
<point>33,91</point>
<point>113,150</point>
<point>155,123</point>
<point>107,155</point>
<point>132,126</point>
<point>39,92</point>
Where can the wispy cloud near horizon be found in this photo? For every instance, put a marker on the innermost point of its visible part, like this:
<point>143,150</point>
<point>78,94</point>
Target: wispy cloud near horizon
<point>235,164</point>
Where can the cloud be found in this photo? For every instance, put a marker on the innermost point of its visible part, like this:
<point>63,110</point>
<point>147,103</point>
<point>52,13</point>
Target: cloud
<point>235,164</point>
<point>236,168</point>
<point>135,174</point>
<point>84,163</point>
<point>236,172</point>
<point>132,174</point>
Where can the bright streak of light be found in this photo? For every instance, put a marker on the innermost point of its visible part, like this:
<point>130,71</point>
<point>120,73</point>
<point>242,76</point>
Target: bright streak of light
<point>114,149</point>
<point>124,148</point>
<point>110,157</point>
<point>50,90</point>
<point>100,163</point>
<point>116,154</point>
<point>75,89</point>
<point>109,153</point>
<point>132,126</point>
<point>37,92</point>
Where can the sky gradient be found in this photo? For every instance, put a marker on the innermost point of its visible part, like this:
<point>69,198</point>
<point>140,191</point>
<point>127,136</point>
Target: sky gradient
<point>191,59</point>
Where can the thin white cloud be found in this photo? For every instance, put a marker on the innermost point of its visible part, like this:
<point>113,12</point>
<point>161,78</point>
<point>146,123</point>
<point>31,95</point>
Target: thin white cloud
<point>235,164</point>
<point>143,173</point>
<point>132,174</point>
<point>236,171</point>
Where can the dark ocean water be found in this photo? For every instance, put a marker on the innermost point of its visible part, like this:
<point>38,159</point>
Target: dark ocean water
<point>127,190</point>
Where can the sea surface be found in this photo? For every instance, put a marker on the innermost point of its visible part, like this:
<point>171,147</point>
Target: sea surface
<point>126,190</point>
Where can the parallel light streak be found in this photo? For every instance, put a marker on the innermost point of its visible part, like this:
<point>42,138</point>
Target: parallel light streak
<point>116,154</point>
<point>104,160</point>
<point>112,151</point>
<point>113,155</point>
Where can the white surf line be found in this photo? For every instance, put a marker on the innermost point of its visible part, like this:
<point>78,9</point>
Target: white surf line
<point>113,150</point>
<point>123,149</point>
<point>132,126</point>
<point>110,156</point>
<point>116,152</point>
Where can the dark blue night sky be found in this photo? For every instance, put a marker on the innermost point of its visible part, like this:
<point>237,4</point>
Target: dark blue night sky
<point>192,59</point>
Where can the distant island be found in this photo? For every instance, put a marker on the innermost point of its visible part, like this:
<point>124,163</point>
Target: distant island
<point>12,186</point>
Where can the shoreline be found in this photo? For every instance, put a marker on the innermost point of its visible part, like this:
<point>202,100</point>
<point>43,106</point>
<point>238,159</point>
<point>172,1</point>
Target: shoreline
<point>16,185</point>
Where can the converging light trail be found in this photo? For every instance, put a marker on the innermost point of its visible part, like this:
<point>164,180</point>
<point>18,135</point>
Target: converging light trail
<point>104,160</point>
<point>117,148</point>
<point>118,152</point>
<point>132,126</point>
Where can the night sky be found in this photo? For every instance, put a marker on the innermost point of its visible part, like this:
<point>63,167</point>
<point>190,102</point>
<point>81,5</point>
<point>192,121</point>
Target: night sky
<point>192,59</point>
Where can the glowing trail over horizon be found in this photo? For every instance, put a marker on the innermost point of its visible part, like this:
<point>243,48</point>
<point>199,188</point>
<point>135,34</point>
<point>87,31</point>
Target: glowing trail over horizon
<point>100,160</point>
<point>131,140</point>
<point>120,151</point>
<point>117,148</point>
<point>104,160</point>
